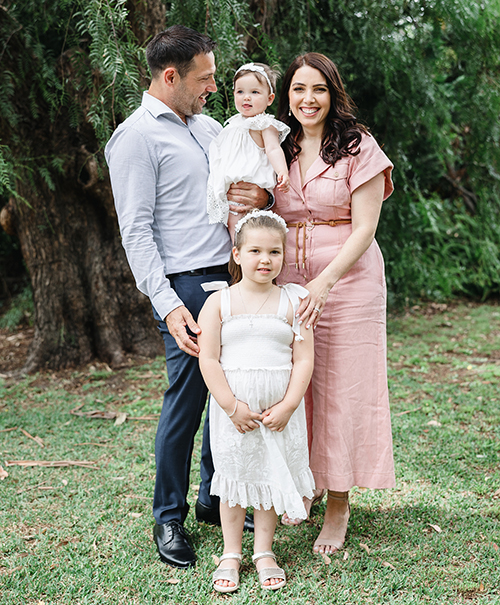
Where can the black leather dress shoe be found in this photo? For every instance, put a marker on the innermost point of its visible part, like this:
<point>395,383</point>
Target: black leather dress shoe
<point>173,546</point>
<point>208,514</point>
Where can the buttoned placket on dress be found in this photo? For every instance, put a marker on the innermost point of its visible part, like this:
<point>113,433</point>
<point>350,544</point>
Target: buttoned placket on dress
<point>302,265</point>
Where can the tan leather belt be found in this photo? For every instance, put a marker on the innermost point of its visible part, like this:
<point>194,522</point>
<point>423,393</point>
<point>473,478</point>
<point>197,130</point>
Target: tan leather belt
<point>299,226</point>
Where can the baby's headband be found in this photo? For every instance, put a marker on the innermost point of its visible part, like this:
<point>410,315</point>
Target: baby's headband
<point>256,214</point>
<point>258,69</point>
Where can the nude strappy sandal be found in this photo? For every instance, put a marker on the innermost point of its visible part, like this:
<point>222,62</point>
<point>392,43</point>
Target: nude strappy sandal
<point>228,574</point>
<point>337,543</point>
<point>269,572</point>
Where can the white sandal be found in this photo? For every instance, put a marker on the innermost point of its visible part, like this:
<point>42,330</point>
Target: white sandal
<point>269,572</point>
<point>228,574</point>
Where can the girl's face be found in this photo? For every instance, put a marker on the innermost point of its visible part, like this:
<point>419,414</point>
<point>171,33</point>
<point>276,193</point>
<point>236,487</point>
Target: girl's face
<point>251,97</point>
<point>309,97</point>
<point>261,254</point>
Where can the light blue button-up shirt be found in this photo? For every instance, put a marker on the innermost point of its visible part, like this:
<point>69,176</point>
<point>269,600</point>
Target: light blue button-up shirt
<point>159,169</point>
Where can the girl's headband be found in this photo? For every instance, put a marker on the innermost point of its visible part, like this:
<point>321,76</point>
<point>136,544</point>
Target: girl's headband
<point>258,69</point>
<point>256,214</point>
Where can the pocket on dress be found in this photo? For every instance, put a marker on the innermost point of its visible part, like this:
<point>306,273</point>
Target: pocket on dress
<point>331,187</point>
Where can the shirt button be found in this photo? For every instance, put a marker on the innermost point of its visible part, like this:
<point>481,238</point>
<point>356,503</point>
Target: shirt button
<point>335,174</point>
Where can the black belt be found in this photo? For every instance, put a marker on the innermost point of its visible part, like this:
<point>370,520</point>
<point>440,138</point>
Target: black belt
<point>195,272</point>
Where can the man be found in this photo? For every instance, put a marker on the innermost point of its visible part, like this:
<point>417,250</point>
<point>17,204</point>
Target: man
<point>158,163</point>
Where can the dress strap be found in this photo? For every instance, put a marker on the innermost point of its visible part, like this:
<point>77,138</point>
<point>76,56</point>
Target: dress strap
<point>295,293</point>
<point>283,304</point>
<point>225,303</point>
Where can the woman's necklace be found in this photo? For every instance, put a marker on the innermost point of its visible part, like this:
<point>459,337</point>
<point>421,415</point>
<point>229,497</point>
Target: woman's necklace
<point>250,316</point>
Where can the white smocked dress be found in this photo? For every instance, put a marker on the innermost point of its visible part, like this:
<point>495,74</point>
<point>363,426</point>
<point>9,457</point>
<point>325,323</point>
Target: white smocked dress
<point>235,156</point>
<point>261,468</point>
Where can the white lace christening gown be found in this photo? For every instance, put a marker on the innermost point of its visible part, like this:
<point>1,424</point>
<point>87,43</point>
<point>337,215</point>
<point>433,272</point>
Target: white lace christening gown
<point>235,156</point>
<point>261,468</point>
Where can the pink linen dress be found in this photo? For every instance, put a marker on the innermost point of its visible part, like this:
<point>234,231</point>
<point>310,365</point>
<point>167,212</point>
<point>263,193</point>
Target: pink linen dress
<point>347,403</point>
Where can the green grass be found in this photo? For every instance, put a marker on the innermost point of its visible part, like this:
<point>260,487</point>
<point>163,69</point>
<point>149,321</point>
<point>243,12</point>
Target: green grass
<point>83,536</point>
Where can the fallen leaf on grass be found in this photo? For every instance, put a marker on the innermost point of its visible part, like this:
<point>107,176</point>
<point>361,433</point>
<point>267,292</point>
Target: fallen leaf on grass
<point>173,580</point>
<point>495,547</point>
<point>496,494</point>
<point>14,428</point>
<point>52,463</point>
<point>120,418</point>
<point>346,555</point>
<point>366,547</point>
<point>433,423</point>
<point>3,473</point>
<point>326,558</point>
<point>136,515</point>
<point>36,439</point>
<point>387,564</point>
<point>435,528</point>
<point>215,559</point>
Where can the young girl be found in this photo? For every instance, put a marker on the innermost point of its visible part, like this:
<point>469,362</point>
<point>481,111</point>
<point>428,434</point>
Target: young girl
<point>248,148</point>
<point>257,363</point>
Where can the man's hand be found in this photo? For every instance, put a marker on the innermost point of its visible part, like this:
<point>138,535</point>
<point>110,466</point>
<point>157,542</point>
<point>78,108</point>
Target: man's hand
<point>176,321</point>
<point>248,194</point>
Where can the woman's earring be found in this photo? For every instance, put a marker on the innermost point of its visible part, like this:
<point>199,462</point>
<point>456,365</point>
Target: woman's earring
<point>289,111</point>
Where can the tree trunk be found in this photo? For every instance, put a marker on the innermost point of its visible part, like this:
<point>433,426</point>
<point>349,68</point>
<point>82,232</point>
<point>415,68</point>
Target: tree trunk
<point>86,302</point>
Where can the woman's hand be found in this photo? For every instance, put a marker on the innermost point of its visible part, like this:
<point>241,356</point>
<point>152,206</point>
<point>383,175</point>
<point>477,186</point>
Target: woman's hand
<point>244,419</point>
<point>310,308</point>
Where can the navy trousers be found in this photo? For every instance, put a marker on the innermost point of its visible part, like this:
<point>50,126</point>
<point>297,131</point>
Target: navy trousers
<point>183,405</point>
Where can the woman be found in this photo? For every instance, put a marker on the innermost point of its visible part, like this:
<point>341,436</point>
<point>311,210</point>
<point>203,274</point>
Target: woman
<point>339,178</point>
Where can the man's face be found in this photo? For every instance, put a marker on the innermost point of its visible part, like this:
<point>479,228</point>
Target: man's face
<point>194,88</point>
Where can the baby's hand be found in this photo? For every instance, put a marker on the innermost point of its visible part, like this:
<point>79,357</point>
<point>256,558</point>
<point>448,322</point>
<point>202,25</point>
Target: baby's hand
<point>283,182</point>
<point>277,417</point>
<point>244,419</point>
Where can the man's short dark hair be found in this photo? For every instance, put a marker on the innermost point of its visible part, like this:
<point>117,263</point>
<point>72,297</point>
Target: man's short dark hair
<point>176,47</point>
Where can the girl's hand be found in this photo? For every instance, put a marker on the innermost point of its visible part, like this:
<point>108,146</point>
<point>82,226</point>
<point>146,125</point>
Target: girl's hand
<point>244,419</point>
<point>277,417</point>
<point>310,308</point>
<point>283,181</point>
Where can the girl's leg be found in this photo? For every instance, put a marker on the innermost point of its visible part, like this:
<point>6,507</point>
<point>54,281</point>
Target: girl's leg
<point>265,526</point>
<point>332,535</point>
<point>232,521</point>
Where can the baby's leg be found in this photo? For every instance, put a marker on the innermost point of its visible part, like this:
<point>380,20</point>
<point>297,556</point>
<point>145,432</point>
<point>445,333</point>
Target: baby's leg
<point>232,520</point>
<point>265,526</point>
<point>233,218</point>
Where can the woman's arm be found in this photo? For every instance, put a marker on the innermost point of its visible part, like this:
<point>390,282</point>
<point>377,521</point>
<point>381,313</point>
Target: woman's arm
<point>277,417</point>
<point>209,342</point>
<point>366,203</point>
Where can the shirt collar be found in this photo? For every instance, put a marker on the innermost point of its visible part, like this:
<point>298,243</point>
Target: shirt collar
<point>158,108</point>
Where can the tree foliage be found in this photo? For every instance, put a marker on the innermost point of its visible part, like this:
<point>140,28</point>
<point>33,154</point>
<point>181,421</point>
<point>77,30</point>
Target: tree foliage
<point>424,74</point>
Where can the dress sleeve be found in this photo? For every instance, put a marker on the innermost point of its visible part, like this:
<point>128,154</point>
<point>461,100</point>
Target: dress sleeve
<point>369,162</point>
<point>263,121</point>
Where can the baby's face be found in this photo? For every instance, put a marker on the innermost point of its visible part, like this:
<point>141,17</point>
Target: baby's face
<point>251,97</point>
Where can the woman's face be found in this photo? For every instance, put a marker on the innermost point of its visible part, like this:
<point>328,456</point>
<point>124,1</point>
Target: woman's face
<point>309,97</point>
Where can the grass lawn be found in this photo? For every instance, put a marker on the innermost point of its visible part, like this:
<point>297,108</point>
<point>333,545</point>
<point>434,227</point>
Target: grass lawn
<point>83,534</point>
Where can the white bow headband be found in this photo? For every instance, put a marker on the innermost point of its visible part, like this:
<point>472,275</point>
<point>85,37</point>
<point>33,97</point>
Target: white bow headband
<point>256,214</point>
<point>258,69</point>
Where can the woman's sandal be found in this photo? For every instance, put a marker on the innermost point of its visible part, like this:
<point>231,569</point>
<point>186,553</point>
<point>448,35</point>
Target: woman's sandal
<point>228,574</point>
<point>285,519</point>
<point>341,528</point>
<point>268,573</point>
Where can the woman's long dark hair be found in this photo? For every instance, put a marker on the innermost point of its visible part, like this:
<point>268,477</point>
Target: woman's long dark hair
<point>342,132</point>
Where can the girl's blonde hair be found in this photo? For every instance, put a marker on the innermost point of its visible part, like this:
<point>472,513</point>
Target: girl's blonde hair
<point>261,220</point>
<point>272,74</point>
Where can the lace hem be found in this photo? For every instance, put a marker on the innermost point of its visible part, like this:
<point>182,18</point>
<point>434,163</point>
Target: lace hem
<point>265,496</point>
<point>217,209</point>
